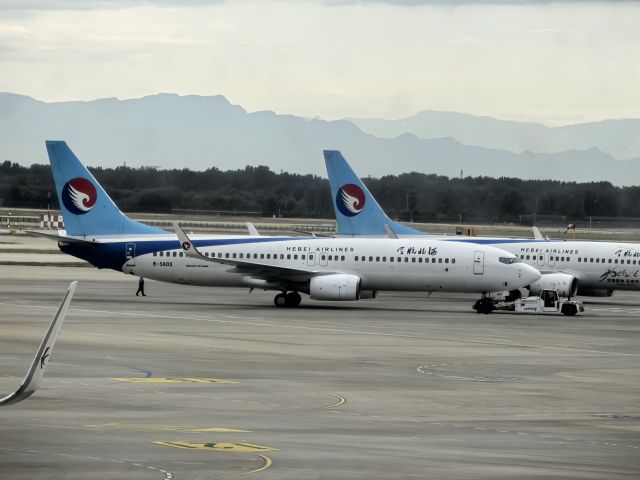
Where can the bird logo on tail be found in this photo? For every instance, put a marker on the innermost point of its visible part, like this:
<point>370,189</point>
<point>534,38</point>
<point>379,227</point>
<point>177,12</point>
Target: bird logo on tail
<point>79,196</point>
<point>350,200</point>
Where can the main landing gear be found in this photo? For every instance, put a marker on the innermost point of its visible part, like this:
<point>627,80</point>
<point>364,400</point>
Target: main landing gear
<point>291,299</point>
<point>484,305</point>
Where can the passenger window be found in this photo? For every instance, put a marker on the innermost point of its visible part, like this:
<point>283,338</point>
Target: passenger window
<point>453,260</point>
<point>356,258</point>
<point>234,255</point>
<point>440,260</point>
<point>628,262</point>
<point>155,253</point>
<point>413,259</point>
<point>323,257</point>
<point>342,258</point>
<point>289,256</point>
<point>181,254</point>
<point>391,259</point>
<point>419,259</point>
<point>371,259</point>
<point>295,257</point>
<point>175,254</point>
<point>568,259</point>
<point>433,260</point>
<point>255,255</point>
<point>302,257</point>
<point>615,261</point>
<point>579,259</point>
<point>406,259</point>
<point>262,255</point>
<point>310,256</point>
<point>399,259</point>
<point>527,257</point>
<point>446,260</point>
<point>521,257</point>
<point>268,256</point>
<point>377,259</point>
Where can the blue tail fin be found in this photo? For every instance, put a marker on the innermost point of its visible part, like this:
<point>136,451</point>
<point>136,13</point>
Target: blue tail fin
<point>86,208</point>
<point>357,212</point>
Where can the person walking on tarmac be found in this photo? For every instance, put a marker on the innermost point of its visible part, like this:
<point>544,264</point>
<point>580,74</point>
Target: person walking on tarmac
<point>140,287</point>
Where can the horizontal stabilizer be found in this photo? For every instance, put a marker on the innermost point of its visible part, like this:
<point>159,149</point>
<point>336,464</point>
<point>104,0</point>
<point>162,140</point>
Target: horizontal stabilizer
<point>62,238</point>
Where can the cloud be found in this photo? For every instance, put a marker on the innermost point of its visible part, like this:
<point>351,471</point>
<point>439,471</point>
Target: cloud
<point>25,5</point>
<point>558,63</point>
<point>450,3</point>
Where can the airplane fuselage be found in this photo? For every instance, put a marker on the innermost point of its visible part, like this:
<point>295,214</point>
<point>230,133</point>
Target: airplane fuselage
<point>596,265</point>
<point>382,264</point>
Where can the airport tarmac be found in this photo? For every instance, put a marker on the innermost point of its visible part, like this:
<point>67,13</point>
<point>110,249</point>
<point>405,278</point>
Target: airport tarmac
<point>204,383</point>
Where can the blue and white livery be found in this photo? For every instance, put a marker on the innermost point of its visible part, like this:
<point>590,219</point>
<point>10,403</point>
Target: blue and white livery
<point>571,267</point>
<point>324,268</point>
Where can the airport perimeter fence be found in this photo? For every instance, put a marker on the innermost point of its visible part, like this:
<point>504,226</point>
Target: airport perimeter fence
<point>242,227</point>
<point>582,222</point>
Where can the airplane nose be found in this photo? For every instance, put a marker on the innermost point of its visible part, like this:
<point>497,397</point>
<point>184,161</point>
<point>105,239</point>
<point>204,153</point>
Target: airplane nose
<point>527,274</point>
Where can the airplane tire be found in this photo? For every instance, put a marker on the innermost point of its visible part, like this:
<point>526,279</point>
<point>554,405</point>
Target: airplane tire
<point>280,300</point>
<point>293,299</point>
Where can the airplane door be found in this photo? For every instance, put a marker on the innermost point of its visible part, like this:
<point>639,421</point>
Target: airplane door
<point>130,254</point>
<point>323,260</point>
<point>478,262</point>
<point>311,259</point>
<point>552,260</point>
<point>541,259</point>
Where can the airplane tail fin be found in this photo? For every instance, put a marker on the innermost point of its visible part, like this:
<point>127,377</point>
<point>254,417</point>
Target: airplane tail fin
<point>86,207</point>
<point>357,212</point>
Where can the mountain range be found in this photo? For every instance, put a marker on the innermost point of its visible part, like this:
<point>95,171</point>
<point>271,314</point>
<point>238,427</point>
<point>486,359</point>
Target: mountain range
<point>199,132</point>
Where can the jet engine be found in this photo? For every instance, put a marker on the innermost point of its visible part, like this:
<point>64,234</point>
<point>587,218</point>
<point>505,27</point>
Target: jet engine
<point>565,284</point>
<point>339,286</point>
<point>595,292</point>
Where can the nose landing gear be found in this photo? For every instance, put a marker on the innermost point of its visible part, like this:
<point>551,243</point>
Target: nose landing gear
<point>484,305</point>
<point>291,299</point>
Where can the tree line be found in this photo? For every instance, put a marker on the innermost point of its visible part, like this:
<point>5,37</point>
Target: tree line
<point>413,195</point>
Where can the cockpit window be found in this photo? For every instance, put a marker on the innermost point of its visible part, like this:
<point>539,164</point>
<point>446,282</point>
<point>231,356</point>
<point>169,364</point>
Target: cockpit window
<point>508,260</point>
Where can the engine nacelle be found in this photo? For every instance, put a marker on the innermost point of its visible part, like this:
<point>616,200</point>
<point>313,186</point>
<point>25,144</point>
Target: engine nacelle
<point>565,284</point>
<point>339,286</point>
<point>595,292</point>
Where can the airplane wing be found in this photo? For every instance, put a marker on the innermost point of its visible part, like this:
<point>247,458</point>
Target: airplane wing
<point>254,269</point>
<point>35,373</point>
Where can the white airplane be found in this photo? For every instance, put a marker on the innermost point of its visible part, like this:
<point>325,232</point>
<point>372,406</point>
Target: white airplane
<point>571,267</point>
<point>323,268</point>
<point>36,372</point>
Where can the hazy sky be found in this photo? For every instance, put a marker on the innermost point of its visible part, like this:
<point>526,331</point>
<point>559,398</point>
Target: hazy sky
<point>560,62</point>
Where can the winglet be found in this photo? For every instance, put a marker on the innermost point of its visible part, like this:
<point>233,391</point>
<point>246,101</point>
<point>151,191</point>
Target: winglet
<point>253,231</point>
<point>537,234</point>
<point>187,245</point>
<point>35,373</point>
<point>389,230</point>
